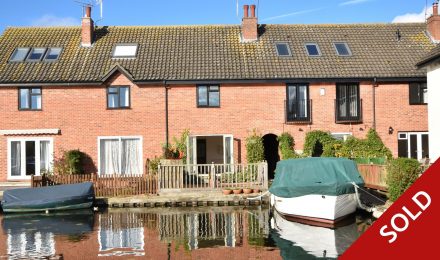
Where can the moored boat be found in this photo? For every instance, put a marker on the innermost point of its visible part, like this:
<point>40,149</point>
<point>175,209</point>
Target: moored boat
<point>316,191</point>
<point>51,198</point>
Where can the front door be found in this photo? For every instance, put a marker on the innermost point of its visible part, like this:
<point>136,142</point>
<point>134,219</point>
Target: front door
<point>413,145</point>
<point>28,157</point>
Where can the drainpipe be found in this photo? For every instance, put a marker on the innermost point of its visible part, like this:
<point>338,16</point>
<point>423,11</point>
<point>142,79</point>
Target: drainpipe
<point>166,113</point>
<point>374,102</point>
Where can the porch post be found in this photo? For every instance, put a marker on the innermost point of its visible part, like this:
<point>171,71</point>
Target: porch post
<point>212,176</point>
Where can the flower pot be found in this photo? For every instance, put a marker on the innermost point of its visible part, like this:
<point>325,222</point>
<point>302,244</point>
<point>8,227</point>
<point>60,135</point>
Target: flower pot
<point>238,191</point>
<point>247,191</point>
<point>256,190</point>
<point>227,192</point>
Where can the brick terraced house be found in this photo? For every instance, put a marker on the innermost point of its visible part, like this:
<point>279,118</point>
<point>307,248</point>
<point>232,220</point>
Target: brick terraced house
<point>118,93</point>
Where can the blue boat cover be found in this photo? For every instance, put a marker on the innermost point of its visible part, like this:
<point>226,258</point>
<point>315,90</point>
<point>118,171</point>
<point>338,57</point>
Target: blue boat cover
<point>29,197</point>
<point>316,175</point>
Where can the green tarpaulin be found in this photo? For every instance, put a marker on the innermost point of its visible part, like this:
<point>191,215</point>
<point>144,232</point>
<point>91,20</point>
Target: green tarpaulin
<point>316,175</point>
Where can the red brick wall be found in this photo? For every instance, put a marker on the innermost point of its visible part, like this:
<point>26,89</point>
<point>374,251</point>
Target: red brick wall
<point>81,114</point>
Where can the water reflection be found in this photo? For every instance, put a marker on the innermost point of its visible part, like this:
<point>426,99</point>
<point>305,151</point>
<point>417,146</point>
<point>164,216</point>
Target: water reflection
<point>160,233</point>
<point>33,235</point>
<point>314,241</point>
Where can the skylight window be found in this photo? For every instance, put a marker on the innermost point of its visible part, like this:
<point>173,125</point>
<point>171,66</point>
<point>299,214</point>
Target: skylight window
<point>283,49</point>
<point>342,49</point>
<point>36,54</point>
<point>19,54</point>
<point>313,49</point>
<point>53,54</point>
<point>125,51</point>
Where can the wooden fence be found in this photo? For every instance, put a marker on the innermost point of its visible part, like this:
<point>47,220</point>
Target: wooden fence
<point>104,186</point>
<point>212,176</point>
<point>374,176</point>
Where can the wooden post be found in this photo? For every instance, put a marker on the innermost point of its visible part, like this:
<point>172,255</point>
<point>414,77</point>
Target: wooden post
<point>212,176</point>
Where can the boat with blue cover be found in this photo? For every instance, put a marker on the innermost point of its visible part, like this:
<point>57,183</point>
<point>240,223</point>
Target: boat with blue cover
<point>50,198</point>
<point>316,191</point>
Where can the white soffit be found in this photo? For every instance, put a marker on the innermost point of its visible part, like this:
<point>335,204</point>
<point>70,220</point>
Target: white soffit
<point>53,131</point>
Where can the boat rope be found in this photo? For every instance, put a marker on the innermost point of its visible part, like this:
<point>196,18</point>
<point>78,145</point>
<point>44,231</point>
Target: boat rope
<point>369,193</point>
<point>368,209</point>
<point>259,197</point>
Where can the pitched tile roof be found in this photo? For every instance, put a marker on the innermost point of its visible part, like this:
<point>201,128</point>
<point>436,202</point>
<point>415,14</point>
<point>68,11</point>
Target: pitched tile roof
<point>433,55</point>
<point>216,53</point>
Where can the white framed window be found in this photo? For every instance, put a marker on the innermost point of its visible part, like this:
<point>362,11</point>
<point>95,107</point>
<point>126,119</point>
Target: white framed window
<point>283,49</point>
<point>342,49</point>
<point>341,136</point>
<point>125,50</point>
<point>29,156</point>
<point>19,54</point>
<point>120,155</point>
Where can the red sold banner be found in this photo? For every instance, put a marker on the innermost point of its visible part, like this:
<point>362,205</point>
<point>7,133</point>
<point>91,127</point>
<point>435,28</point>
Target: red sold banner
<point>409,229</point>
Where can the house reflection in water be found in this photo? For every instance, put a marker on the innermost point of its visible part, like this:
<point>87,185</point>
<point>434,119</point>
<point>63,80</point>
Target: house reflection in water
<point>121,234</point>
<point>215,228</point>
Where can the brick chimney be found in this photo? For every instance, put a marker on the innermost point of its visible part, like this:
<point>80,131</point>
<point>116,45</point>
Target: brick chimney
<point>433,24</point>
<point>87,28</point>
<point>249,25</point>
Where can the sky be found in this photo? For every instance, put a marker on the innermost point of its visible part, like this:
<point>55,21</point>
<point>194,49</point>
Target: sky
<point>177,12</point>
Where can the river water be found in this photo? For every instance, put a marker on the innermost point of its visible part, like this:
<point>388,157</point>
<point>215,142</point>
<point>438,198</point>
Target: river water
<point>172,233</point>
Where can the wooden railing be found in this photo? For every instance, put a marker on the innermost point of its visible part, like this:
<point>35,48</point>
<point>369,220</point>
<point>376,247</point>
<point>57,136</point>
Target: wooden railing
<point>104,186</point>
<point>212,176</point>
<point>374,176</point>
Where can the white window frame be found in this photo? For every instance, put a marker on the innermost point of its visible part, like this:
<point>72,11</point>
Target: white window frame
<point>419,143</point>
<point>193,140</point>
<point>128,56</point>
<point>22,141</point>
<point>141,151</point>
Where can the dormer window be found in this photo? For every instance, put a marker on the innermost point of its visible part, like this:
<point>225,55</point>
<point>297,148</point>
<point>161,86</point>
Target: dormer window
<point>36,54</point>
<point>283,49</point>
<point>125,50</point>
<point>312,49</point>
<point>53,54</point>
<point>19,54</point>
<point>342,48</point>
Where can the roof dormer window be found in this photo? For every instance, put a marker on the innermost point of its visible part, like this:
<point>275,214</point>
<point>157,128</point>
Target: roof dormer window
<point>283,49</point>
<point>125,50</point>
<point>342,48</point>
<point>36,54</point>
<point>19,54</point>
<point>53,54</point>
<point>312,49</point>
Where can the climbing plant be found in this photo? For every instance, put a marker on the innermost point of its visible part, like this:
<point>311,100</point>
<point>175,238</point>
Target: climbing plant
<point>320,143</point>
<point>371,147</point>
<point>254,148</point>
<point>286,145</point>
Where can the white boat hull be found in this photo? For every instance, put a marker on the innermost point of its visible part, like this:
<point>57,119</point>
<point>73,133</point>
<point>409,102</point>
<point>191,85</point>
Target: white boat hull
<point>329,209</point>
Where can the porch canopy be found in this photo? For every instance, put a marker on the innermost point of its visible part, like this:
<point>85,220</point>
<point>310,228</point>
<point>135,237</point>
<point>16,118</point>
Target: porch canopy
<point>322,176</point>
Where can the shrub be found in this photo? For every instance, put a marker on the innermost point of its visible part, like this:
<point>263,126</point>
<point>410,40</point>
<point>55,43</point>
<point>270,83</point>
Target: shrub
<point>402,173</point>
<point>287,146</point>
<point>71,162</point>
<point>176,150</point>
<point>153,165</point>
<point>254,148</point>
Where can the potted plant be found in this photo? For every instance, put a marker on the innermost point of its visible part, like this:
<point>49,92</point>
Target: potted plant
<point>227,191</point>
<point>247,190</point>
<point>237,190</point>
